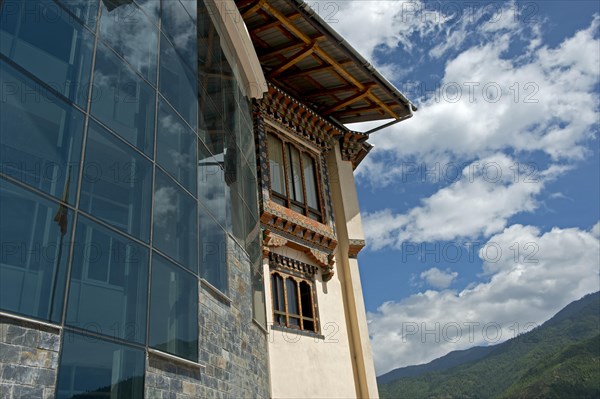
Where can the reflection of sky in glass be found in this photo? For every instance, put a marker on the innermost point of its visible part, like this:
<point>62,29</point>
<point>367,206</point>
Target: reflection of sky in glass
<point>177,23</point>
<point>176,147</point>
<point>131,34</point>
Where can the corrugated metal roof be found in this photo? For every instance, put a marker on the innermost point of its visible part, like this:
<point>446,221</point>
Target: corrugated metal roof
<point>304,56</point>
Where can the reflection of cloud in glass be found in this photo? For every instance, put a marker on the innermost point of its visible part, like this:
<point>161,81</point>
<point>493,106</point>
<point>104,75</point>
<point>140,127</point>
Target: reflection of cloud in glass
<point>165,207</point>
<point>128,31</point>
<point>181,28</point>
<point>177,132</point>
<point>211,188</point>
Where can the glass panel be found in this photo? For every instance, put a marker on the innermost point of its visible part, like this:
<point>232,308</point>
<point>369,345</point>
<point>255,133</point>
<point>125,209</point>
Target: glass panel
<point>92,368</point>
<point>176,147</point>
<point>259,311</point>
<point>277,287</point>
<point>131,34</point>
<point>151,7</point>
<point>175,222</point>
<point>306,298</point>
<point>294,174</point>
<point>123,101</point>
<point>276,165</point>
<point>181,29</point>
<point>85,10</point>
<point>35,248</point>
<point>310,181</point>
<point>191,7</point>
<point>211,185</point>
<point>117,183</point>
<point>292,296</point>
<point>178,82</point>
<point>109,283</point>
<point>173,310</point>
<point>213,251</point>
<point>40,141</point>
<point>46,40</point>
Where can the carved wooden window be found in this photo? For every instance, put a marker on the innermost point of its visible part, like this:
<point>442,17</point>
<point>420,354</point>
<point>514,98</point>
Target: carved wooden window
<point>294,177</point>
<point>293,302</point>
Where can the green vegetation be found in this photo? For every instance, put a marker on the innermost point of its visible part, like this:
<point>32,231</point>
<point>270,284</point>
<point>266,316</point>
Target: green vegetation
<point>560,359</point>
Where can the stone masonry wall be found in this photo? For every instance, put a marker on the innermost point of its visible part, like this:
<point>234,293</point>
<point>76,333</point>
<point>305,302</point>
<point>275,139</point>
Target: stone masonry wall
<point>233,349</point>
<point>28,360</point>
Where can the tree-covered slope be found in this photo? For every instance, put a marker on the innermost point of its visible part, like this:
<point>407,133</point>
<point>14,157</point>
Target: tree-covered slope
<point>557,359</point>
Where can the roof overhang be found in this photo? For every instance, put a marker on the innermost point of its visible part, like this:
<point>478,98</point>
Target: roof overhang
<point>304,56</point>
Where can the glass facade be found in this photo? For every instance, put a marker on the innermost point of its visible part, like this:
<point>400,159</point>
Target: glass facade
<point>127,166</point>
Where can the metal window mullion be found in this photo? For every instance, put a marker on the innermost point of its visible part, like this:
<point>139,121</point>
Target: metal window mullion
<point>81,169</point>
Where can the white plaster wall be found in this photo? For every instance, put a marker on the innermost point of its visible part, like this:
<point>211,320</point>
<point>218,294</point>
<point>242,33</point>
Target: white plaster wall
<point>308,367</point>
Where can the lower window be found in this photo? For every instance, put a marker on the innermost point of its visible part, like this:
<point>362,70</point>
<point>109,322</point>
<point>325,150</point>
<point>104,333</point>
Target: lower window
<point>94,368</point>
<point>293,299</point>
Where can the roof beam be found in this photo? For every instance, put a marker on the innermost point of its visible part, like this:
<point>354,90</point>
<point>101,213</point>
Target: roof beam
<point>348,101</point>
<point>363,109</point>
<point>254,8</point>
<point>308,50</point>
<point>289,26</point>
<point>284,49</point>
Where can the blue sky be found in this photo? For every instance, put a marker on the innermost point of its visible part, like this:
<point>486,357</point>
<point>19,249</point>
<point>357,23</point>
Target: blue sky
<point>481,212</point>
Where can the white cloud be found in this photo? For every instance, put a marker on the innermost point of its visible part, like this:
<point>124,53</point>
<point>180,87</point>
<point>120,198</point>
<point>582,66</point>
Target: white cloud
<point>439,278</point>
<point>479,203</point>
<point>543,100</point>
<point>524,289</point>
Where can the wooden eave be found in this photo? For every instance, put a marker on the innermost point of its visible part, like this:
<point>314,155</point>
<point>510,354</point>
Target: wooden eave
<point>303,56</point>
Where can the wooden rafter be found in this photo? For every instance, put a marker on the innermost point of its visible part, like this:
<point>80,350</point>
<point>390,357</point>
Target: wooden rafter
<point>308,50</point>
<point>289,26</point>
<point>348,101</point>
<point>254,8</point>
<point>310,71</point>
<point>286,48</point>
<point>364,109</point>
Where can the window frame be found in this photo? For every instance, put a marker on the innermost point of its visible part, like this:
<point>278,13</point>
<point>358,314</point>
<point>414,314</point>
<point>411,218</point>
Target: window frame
<point>300,317</point>
<point>287,200</point>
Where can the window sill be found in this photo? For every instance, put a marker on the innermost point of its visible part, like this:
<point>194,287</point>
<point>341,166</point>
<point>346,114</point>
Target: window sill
<point>214,291</point>
<point>30,322</point>
<point>176,359</point>
<point>305,333</point>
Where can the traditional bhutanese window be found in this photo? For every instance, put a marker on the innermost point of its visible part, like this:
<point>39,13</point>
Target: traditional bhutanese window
<point>293,291</point>
<point>294,179</point>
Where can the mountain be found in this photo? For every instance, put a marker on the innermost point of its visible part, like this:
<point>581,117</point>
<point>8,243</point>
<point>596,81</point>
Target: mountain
<point>559,359</point>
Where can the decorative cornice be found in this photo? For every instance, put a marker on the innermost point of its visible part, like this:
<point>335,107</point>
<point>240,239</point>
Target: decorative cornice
<point>354,147</point>
<point>354,247</point>
<point>323,259</point>
<point>276,260</point>
<point>299,119</point>
<point>300,227</point>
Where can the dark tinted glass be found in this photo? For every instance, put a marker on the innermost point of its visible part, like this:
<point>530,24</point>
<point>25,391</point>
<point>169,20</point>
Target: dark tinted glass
<point>213,251</point>
<point>35,234</point>
<point>173,310</point>
<point>178,81</point>
<point>92,368</point>
<point>109,283</point>
<point>49,43</point>
<point>123,101</point>
<point>176,147</point>
<point>85,10</point>
<point>211,185</point>
<point>131,34</point>
<point>117,183</point>
<point>175,227</point>
<point>180,27</point>
<point>40,136</point>
<point>151,8</point>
